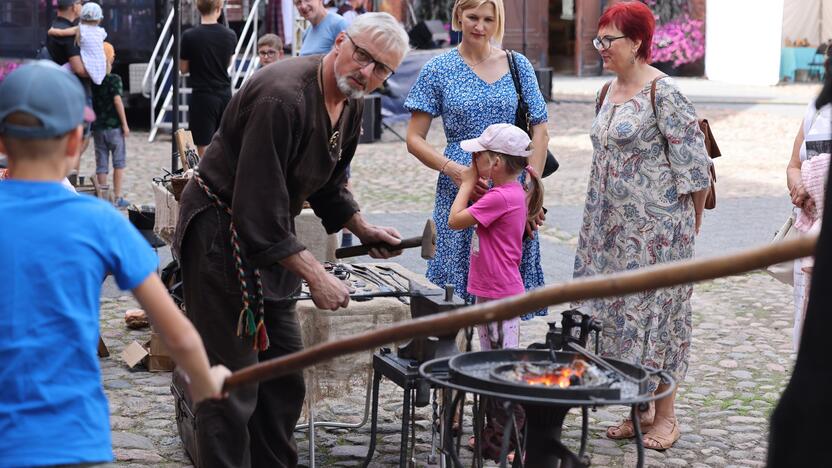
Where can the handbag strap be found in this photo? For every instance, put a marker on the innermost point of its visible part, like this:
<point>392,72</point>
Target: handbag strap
<point>653,93</point>
<point>521,102</point>
<point>515,76</point>
<point>602,96</point>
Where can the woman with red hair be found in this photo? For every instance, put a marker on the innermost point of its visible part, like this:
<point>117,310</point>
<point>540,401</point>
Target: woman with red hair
<point>645,196</point>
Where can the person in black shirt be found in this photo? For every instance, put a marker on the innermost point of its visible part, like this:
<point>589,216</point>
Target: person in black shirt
<point>64,50</point>
<point>206,53</point>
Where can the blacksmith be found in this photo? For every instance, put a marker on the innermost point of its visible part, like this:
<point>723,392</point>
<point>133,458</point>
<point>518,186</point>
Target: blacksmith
<point>285,138</point>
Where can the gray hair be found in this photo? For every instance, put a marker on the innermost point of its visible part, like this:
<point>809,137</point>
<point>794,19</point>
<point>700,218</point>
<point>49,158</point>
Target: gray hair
<point>383,29</point>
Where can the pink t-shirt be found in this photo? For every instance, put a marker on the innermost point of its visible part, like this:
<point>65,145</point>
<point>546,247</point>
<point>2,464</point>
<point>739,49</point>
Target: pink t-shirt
<point>497,245</point>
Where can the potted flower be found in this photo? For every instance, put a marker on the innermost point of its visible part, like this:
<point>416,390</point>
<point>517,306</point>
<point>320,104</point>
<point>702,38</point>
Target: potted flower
<point>678,42</point>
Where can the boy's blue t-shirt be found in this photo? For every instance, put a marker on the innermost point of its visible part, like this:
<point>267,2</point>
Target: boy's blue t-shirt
<point>55,249</point>
<point>320,38</point>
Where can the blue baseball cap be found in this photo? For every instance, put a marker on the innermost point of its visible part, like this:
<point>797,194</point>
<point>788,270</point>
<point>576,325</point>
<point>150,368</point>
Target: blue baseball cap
<point>47,92</point>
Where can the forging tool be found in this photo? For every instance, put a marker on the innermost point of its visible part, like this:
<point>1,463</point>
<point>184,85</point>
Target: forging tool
<point>427,243</point>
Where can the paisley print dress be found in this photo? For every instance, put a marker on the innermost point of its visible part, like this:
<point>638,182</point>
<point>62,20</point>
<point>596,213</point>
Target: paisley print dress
<point>448,88</point>
<point>639,212</point>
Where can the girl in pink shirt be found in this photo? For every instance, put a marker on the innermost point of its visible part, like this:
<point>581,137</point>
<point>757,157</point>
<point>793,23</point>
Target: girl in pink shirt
<point>499,154</point>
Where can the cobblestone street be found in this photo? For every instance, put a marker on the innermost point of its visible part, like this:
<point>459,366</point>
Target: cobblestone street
<point>741,354</point>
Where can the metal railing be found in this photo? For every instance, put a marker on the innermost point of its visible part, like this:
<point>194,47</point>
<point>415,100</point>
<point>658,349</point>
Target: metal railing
<point>245,60</point>
<point>157,77</point>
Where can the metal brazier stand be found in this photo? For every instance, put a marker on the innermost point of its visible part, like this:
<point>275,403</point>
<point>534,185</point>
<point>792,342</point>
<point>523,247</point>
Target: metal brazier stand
<point>545,406</point>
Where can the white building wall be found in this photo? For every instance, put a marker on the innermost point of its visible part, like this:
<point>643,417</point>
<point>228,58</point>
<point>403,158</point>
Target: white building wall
<point>743,40</point>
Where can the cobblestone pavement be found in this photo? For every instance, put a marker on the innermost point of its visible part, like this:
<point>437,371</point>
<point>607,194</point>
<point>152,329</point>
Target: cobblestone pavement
<point>741,354</point>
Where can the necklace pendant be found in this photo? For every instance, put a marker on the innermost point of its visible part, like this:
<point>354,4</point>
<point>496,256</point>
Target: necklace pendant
<point>333,143</point>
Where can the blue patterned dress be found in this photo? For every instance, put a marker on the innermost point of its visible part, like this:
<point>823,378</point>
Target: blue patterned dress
<point>639,212</point>
<point>448,88</point>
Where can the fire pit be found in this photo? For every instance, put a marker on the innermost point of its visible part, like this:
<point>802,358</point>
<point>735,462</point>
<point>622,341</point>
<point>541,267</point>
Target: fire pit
<point>546,374</point>
<point>547,383</point>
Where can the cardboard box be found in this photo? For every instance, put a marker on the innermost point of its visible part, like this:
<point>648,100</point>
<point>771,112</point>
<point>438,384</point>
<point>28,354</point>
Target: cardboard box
<point>159,358</point>
<point>133,354</point>
<point>153,355</point>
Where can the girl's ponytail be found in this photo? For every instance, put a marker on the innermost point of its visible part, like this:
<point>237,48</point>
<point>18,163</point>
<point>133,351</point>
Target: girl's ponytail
<point>534,190</point>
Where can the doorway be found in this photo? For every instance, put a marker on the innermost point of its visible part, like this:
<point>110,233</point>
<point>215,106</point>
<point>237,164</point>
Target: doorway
<point>562,36</point>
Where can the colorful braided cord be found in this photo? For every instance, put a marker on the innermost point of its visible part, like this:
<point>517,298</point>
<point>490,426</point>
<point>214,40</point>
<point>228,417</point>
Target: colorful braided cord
<point>249,323</point>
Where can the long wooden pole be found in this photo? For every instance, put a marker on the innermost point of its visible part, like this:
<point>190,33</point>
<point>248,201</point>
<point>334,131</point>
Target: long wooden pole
<point>659,276</point>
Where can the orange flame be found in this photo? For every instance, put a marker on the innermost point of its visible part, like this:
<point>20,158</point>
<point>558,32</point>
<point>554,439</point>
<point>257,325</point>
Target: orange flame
<point>559,377</point>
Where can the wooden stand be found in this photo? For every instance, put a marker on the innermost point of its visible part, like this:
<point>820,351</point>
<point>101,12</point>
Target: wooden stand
<point>188,155</point>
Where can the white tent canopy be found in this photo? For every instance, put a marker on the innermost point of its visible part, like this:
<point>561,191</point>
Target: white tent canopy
<point>731,55</point>
<point>807,19</point>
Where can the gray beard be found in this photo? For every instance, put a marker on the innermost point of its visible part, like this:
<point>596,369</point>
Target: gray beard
<point>347,90</point>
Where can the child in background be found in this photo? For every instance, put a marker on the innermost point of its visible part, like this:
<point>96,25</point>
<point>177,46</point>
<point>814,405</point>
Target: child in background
<point>269,49</point>
<point>57,248</point>
<point>499,154</point>
<point>110,129</point>
<point>90,37</point>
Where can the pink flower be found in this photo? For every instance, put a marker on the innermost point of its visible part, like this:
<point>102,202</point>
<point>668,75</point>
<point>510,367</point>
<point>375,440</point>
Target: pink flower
<point>680,41</point>
<point>7,68</point>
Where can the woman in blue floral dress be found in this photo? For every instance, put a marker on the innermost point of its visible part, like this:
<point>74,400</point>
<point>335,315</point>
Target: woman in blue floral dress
<point>470,87</point>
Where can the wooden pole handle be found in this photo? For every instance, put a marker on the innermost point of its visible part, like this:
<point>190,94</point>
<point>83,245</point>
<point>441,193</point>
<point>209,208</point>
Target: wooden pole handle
<point>658,276</point>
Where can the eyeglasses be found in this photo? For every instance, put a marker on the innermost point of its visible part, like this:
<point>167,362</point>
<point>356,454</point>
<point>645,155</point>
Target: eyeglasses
<point>604,43</point>
<point>363,58</point>
<point>267,53</point>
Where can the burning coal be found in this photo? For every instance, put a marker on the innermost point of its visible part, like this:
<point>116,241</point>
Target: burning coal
<point>547,374</point>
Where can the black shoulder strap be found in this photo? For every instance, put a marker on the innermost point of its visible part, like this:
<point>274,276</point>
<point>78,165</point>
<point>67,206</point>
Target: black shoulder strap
<point>603,96</point>
<point>515,75</point>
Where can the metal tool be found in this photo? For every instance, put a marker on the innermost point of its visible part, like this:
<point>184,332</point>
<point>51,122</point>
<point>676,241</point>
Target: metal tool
<point>427,243</point>
<point>362,272</point>
<point>360,296</point>
<point>369,272</point>
<point>392,273</point>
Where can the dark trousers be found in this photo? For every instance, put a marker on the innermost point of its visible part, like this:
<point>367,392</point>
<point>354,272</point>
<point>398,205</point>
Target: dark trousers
<point>254,426</point>
<point>205,116</point>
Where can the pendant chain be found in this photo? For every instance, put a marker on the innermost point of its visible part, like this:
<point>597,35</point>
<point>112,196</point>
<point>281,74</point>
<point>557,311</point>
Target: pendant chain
<point>472,65</point>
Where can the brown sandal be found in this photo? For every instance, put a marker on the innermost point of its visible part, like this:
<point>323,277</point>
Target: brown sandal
<point>655,439</point>
<point>625,430</point>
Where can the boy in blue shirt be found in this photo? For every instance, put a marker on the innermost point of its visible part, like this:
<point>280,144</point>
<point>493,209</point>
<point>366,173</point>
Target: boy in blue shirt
<point>56,249</point>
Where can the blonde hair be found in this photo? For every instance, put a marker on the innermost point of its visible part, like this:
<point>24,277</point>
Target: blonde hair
<point>110,55</point>
<point>499,15</point>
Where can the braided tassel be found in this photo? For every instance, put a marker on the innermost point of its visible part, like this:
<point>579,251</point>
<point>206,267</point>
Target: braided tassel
<point>262,337</point>
<point>261,340</point>
<point>249,323</point>
<point>240,321</point>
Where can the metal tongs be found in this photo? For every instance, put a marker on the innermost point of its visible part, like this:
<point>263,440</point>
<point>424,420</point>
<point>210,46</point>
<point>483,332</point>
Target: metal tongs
<point>599,361</point>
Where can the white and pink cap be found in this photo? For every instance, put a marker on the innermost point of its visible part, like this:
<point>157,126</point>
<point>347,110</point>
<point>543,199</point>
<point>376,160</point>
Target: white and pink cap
<point>502,138</point>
